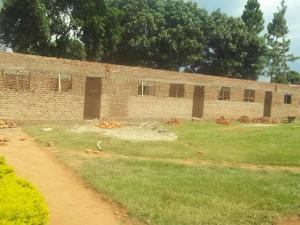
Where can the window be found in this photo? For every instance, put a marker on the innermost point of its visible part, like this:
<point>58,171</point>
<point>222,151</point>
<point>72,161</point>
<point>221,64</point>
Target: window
<point>176,90</point>
<point>225,94</point>
<point>61,83</point>
<point>288,99</point>
<point>146,88</point>
<point>17,82</point>
<point>249,95</point>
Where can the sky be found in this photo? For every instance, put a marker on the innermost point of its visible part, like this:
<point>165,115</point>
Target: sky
<point>236,7</point>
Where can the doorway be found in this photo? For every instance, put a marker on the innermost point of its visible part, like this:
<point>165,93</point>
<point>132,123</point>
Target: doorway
<point>92,99</point>
<point>268,104</point>
<point>198,101</point>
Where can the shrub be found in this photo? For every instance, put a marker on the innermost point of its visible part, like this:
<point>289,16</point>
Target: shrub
<point>20,203</point>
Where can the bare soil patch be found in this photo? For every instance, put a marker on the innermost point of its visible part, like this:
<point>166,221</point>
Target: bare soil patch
<point>189,162</point>
<point>295,220</point>
<point>69,200</point>
<point>131,133</point>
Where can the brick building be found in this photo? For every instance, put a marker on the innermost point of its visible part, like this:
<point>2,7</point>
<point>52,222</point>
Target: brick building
<point>40,88</point>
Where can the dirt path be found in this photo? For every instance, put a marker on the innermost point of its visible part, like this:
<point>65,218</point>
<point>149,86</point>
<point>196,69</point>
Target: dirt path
<point>69,201</point>
<point>191,162</point>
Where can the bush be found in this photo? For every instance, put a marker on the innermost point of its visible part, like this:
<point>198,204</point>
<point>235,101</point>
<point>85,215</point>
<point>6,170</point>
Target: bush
<point>20,203</point>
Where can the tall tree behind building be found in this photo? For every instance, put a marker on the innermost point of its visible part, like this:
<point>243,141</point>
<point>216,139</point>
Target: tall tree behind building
<point>279,44</point>
<point>24,26</point>
<point>232,50</point>
<point>255,59</point>
<point>253,17</point>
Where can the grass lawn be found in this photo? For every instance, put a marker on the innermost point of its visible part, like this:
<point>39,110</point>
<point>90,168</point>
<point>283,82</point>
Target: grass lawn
<point>157,190</point>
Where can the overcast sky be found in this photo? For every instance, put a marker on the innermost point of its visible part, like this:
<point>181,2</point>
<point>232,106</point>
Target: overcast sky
<point>236,7</point>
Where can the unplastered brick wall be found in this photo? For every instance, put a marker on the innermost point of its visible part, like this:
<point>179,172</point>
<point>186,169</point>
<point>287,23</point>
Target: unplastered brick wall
<point>36,97</point>
<point>233,108</point>
<point>161,105</point>
<point>280,108</point>
<point>120,85</point>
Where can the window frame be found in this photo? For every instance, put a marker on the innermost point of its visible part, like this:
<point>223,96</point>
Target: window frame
<point>248,95</point>
<point>288,99</point>
<point>222,96</point>
<point>144,88</point>
<point>178,86</point>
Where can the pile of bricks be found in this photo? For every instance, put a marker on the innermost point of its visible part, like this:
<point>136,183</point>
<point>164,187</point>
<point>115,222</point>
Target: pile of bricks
<point>222,121</point>
<point>3,141</point>
<point>109,125</point>
<point>264,120</point>
<point>174,122</point>
<point>244,119</point>
<point>7,124</point>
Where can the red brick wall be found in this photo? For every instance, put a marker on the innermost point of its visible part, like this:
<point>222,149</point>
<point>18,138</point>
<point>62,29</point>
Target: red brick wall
<point>36,96</point>
<point>40,100</point>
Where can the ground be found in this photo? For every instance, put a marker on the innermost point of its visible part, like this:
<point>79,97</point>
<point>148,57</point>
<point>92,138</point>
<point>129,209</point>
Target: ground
<point>236,175</point>
<point>68,199</point>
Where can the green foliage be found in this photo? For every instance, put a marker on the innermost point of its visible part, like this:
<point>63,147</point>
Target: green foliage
<point>73,49</point>
<point>293,77</point>
<point>253,17</point>
<point>161,34</point>
<point>20,203</point>
<point>278,56</point>
<point>232,50</point>
<point>99,27</point>
<point>166,34</point>
<point>24,26</point>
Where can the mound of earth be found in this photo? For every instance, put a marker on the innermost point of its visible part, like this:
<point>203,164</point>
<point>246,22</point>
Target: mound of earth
<point>132,133</point>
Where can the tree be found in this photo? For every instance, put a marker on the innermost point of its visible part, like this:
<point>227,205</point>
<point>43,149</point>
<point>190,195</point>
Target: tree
<point>185,35</point>
<point>62,28</point>
<point>73,49</point>
<point>166,34</point>
<point>24,26</point>
<point>98,25</point>
<point>255,59</point>
<point>232,50</point>
<point>278,56</point>
<point>253,17</point>
<point>293,77</point>
<point>141,23</point>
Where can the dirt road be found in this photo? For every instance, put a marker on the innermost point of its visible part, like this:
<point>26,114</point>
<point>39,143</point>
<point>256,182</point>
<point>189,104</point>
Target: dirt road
<point>70,202</point>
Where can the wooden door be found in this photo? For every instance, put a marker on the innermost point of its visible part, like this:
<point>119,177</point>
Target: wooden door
<point>268,104</point>
<point>92,100</point>
<point>198,101</point>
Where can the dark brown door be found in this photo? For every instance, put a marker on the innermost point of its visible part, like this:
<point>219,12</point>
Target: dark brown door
<point>268,104</point>
<point>92,100</point>
<point>198,101</point>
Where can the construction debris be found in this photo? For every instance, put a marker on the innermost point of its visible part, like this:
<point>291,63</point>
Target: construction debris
<point>3,141</point>
<point>50,144</point>
<point>244,119</point>
<point>109,125</point>
<point>222,121</point>
<point>4,124</point>
<point>264,120</point>
<point>47,129</point>
<point>174,122</point>
<point>91,151</point>
<point>99,146</point>
<point>23,139</point>
<point>260,120</point>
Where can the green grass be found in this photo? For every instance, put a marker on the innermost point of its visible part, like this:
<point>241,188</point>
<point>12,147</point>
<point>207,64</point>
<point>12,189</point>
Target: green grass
<point>158,190</point>
<point>278,145</point>
<point>168,194</point>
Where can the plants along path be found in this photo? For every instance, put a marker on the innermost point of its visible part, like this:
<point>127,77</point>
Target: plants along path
<point>70,202</point>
